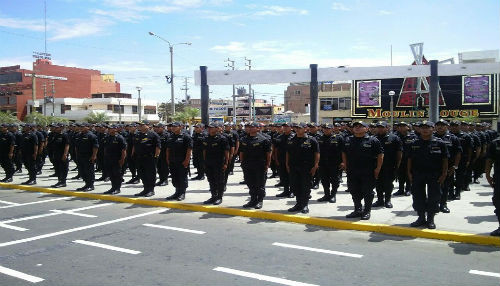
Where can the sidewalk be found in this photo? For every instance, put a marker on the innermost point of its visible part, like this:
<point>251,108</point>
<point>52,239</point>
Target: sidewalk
<point>473,214</point>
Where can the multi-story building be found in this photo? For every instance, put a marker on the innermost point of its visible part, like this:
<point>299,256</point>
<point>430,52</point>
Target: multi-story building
<point>297,97</point>
<point>334,102</point>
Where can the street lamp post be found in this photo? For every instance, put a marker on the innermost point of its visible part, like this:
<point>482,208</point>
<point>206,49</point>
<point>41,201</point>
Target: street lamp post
<point>119,111</point>
<point>171,48</point>
<point>391,94</point>
<point>139,107</point>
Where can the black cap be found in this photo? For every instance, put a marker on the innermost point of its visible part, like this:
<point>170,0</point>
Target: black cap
<point>362,123</point>
<point>253,124</point>
<point>328,125</point>
<point>455,123</point>
<point>427,123</point>
<point>176,124</point>
<point>286,124</point>
<point>381,124</point>
<point>301,125</point>
<point>212,124</point>
<point>442,122</point>
<point>402,123</point>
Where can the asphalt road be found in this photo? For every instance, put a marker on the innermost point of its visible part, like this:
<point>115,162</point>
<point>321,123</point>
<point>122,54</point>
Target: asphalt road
<point>53,240</point>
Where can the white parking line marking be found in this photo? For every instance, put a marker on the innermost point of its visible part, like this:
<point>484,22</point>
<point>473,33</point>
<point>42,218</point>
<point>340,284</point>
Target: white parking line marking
<point>8,203</point>
<point>262,277</point>
<point>54,212</point>
<point>175,228</point>
<point>20,275</point>
<point>37,202</point>
<point>484,273</point>
<point>318,250</point>
<point>105,246</point>
<point>19,241</point>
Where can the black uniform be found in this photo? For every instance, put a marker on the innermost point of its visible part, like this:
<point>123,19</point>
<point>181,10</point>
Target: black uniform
<point>40,156</point>
<point>162,164</point>
<point>7,143</point>
<point>454,147</point>
<point>467,145</point>
<point>178,146</point>
<point>130,161</point>
<point>404,183</point>
<point>112,152</point>
<point>58,143</point>
<point>301,158</point>
<point>101,138</point>
<point>17,151</point>
<point>255,150</point>
<point>198,162</point>
<point>494,155</point>
<point>30,141</point>
<point>384,185</point>
<point>426,163</point>
<point>215,148</point>
<point>84,149</point>
<point>361,155</point>
<point>281,144</point>
<point>145,145</point>
<point>331,147</point>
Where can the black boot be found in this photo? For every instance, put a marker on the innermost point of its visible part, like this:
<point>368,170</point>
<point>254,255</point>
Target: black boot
<point>326,197</point>
<point>253,201</point>
<point>420,221</point>
<point>378,203</point>
<point>358,212</point>
<point>388,203</point>
<point>430,221</point>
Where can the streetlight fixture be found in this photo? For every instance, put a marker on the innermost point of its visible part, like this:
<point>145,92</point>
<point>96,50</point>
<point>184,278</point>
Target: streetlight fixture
<point>171,47</point>
<point>139,107</point>
<point>391,94</point>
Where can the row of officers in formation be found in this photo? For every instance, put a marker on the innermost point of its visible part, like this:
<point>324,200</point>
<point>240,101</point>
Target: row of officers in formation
<point>432,162</point>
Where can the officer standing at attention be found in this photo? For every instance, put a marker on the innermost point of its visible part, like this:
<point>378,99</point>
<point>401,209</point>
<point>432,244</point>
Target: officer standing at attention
<point>393,152</point>
<point>146,150</point>
<point>7,144</point>
<point>162,164</point>
<point>493,157</point>
<point>427,167</point>
<point>467,145</point>
<point>281,144</point>
<point>29,149</point>
<point>130,160</point>
<point>179,150</point>
<point>60,150</point>
<point>86,150</point>
<point>255,157</point>
<point>455,153</point>
<point>406,138</point>
<point>362,157</point>
<point>302,161</point>
<point>13,128</point>
<point>114,151</point>
<point>198,139</point>
<point>330,161</point>
<point>216,157</point>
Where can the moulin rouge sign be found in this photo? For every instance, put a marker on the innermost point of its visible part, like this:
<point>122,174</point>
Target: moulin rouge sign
<point>380,113</point>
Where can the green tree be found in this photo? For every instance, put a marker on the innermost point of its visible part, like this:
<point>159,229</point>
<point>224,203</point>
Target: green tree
<point>96,117</point>
<point>187,115</point>
<point>7,117</point>
<point>43,120</point>
<point>165,110</point>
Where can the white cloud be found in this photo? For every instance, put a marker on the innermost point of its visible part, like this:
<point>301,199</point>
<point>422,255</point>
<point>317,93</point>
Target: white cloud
<point>78,28</point>
<point>219,16</point>
<point>24,62</point>
<point>123,66</point>
<point>32,25</point>
<point>231,48</point>
<point>279,11</point>
<point>340,7</point>
<point>384,12</point>
<point>121,15</point>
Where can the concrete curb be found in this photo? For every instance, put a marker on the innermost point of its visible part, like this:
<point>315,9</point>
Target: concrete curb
<point>324,222</point>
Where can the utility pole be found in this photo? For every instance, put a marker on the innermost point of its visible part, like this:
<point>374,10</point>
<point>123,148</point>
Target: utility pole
<point>185,88</point>
<point>272,109</point>
<point>248,63</point>
<point>53,84</point>
<point>230,64</point>
<point>44,99</point>
<point>119,111</point>
<point>139,107</point>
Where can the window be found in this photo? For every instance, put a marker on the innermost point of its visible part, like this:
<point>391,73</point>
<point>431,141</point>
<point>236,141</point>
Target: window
<point>347,103</point>
<point>134,109</point>
<point>3,100</point>
<point>149,110</point>
<point>118,108</point>
<point>110,107</point>
<point>297,92</point>
<point>326,104</point>
<point>64,108</point>
<point>13,100</point>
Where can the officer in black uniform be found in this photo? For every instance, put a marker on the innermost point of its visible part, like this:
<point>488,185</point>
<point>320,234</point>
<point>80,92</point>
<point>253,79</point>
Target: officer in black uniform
<point>198,139</point>
<point>114,153</point>
<point>427,167</point>
<point>146,150</point>
<point>29,149</point>
<point>493,157</point>
<point>455,153</point>
<point>102,134</point>
<point>216,158</point>
<point>86,150</point>
<point>255,156</point>
<point>281,144</point>
<point>467,145</point>
<point>130,160</point>
<point>42,141</point>
<point>406,138</point>
<point>7,144</point>
<point>14,129</point>
<point>162,164</point>
<point>179,150</point>
<point>313,131</point>
<point>362,157</point>
<point>393,152</point>
<point>60,149</point>
<point>330,161</point>
<point>50,146</point>
<point>302,161</point>
<point>74,138</point>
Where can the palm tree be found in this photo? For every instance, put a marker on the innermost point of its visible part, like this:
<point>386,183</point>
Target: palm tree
<point>97,117</point>
<point>187,115</point>
<point>7,117</point>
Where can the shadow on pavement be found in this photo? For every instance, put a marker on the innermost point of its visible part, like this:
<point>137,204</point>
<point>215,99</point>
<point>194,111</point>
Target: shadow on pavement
<point>212,215</point>
<point>253,220</point>
<point>485,194</point>
<point>481,204</point>
<point>404,213</point>
<point>480,219</point>
<point>345,208</point>
<point>377,237</point>
<point>314,228</point>
<point>465,249</point>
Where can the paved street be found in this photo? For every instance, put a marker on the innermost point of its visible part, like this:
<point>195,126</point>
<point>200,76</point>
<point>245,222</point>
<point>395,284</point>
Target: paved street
<point>54,240</point>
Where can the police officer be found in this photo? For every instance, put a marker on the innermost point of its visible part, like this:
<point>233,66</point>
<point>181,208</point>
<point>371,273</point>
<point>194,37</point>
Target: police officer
<point>255,156</point>
<point>330,161</point>
<point>42,144</point>
<point>406,137</point>
<point>130,160</point>
<point>162,164</point>
<point>302,161</point>
<point>393,152</point>
<point>60,149</point>
<point>13,128</point>
<point>7,144</point>
<point>198,139</point>
<point>216,158</point>
<point>114,153</point>
<point>427,167</point>
<point>179,150</point>
<point>455,153</point>
<point>362,157</point>
<point>467,145</point>
<point>146,150</point>
<point>493,157</point>
<point>50,146</point>
<point>102,134</point>
<point>29,149</point>
<point>86,150</point>
<point>234,143</point>
<point>280,145</point>
<point>313,131</point>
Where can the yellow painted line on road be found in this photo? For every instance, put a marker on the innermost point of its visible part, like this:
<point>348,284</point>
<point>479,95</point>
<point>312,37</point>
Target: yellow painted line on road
<point>324,222</point>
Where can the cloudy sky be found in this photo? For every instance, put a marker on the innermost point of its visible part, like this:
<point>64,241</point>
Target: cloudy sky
<point>112,35</point>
